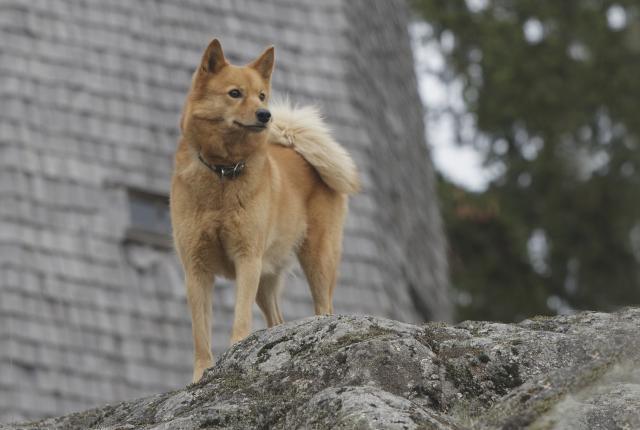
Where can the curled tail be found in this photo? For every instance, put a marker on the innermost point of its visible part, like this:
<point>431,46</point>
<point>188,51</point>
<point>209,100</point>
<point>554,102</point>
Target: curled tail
<point>303,129</point>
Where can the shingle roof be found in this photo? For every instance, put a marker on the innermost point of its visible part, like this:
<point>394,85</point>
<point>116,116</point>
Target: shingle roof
<point>91,94</point>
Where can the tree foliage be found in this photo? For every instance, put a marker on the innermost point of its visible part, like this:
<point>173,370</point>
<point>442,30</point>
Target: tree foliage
<point>554,87</point>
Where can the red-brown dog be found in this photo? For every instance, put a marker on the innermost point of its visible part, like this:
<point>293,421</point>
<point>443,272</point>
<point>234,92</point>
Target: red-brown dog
<point>253,187</point>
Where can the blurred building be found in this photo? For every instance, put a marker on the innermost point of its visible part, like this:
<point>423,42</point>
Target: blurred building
<point>92,306</point>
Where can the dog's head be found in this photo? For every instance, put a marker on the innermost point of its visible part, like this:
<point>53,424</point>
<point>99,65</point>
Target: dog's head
<point>225,98</point>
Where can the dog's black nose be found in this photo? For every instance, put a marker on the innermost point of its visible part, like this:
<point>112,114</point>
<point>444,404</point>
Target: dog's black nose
<point>263,115</point>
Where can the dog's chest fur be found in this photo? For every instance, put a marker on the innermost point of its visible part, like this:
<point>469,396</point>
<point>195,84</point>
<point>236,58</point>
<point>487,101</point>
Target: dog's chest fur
<point>234,221</point>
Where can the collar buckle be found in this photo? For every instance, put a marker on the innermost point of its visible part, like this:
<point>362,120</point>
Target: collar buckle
<point>230,171</point>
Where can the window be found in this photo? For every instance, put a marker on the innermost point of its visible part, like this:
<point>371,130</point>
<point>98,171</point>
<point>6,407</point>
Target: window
<point>150,221</point>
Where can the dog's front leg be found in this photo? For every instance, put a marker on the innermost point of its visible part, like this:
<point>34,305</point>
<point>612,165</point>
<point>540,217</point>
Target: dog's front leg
<point>199,287</point>
<point>247,278</point>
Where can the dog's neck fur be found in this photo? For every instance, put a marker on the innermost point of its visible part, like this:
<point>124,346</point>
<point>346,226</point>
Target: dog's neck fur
<point>230,145</point>
<point>236,144</point>
<point>228,148</point>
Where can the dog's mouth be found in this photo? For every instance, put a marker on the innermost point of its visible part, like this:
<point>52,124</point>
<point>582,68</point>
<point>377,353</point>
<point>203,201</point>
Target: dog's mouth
<point>251,127</point>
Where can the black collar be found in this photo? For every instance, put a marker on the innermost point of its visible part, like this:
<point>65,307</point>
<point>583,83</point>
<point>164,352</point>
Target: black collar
<point>224,170</point>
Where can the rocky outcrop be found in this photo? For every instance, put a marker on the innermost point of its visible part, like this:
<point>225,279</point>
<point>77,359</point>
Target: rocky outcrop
<point>568,372</point>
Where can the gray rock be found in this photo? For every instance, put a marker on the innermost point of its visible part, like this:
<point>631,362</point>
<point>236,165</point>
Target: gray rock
<point>358,372</point>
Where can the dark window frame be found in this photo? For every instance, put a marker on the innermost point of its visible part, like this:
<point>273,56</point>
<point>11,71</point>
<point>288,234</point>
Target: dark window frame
<point>154,207</point>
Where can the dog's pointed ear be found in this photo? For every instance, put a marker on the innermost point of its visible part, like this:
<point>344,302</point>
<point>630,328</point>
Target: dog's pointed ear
<point>213,59</point>
<point>264,63</point>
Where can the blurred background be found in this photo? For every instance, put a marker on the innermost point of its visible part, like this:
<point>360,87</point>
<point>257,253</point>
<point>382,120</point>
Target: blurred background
<point>532,113</point>
<point>525,108</point>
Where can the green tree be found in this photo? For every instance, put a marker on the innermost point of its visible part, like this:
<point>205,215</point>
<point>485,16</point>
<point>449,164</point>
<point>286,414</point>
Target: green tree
<point>554,87</point>
<point>490,269</point>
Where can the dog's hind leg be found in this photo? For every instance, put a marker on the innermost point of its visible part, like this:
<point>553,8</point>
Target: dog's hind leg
<point>199,286</point>
<point>320,252</point>
<point>267,298</point>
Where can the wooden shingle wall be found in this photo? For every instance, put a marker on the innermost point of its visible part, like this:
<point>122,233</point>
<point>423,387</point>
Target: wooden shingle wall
<point>90,97</point>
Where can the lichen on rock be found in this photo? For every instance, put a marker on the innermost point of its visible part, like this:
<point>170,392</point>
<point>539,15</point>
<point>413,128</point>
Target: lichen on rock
<point>363,372</point>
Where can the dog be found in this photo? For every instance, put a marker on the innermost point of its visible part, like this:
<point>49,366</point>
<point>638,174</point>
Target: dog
<point>254,186</point>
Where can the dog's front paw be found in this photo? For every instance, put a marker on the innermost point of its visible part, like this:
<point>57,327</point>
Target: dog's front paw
<point>199,368</point>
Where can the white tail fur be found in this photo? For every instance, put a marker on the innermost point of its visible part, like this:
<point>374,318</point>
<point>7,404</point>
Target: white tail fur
<point>303,129</point>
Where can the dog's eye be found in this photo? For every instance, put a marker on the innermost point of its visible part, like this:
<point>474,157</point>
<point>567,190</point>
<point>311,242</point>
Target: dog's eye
<point>236,94</point>
<point>262,97</point>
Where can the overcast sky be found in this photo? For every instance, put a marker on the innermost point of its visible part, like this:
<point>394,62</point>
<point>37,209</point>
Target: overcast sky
<point>461,164</point>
